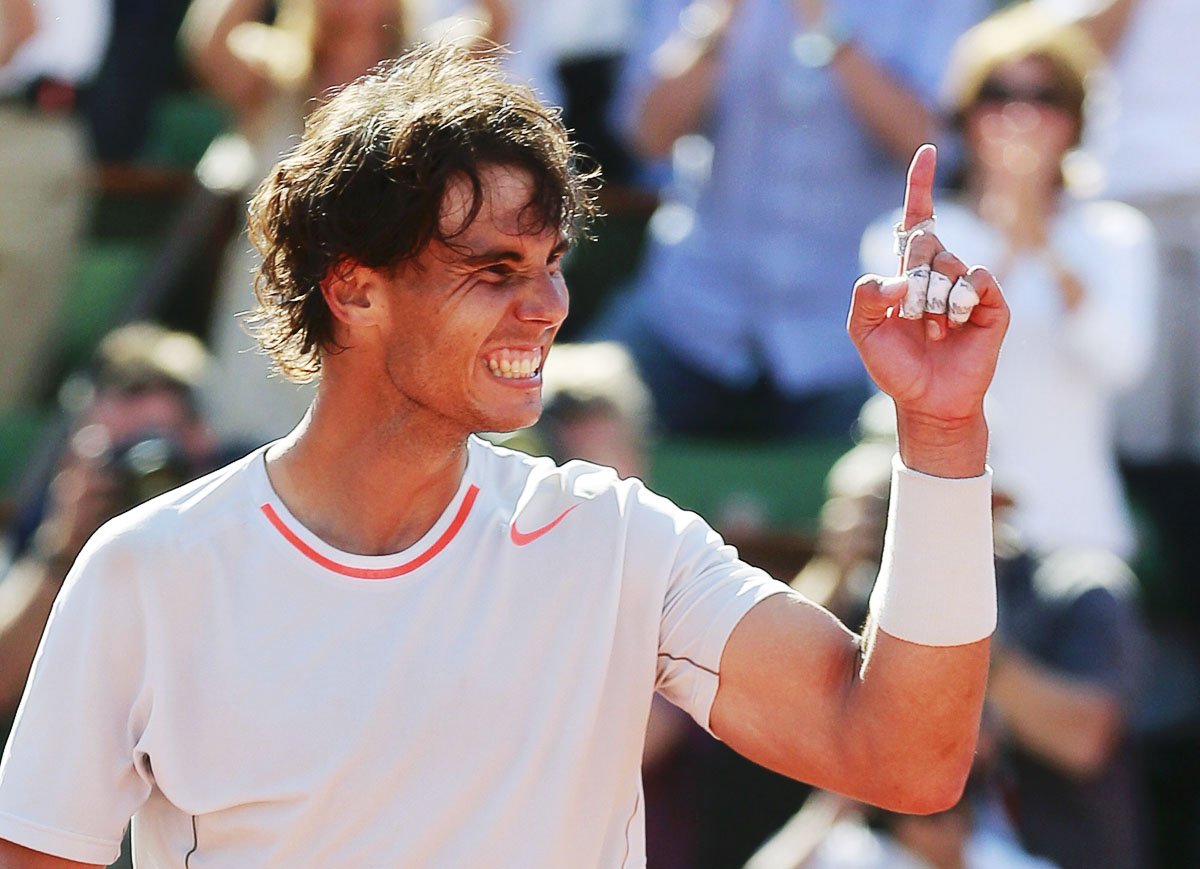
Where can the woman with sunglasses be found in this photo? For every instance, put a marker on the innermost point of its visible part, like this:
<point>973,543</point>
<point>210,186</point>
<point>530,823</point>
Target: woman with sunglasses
<point>1080,276</point>
<point>1081,282</point>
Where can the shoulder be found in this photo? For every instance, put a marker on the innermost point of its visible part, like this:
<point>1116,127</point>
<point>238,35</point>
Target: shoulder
<point>1116,223</point>
<point>189,512</point>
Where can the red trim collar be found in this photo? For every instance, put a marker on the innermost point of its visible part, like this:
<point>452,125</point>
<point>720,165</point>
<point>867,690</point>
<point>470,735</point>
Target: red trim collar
<point>409,566</point>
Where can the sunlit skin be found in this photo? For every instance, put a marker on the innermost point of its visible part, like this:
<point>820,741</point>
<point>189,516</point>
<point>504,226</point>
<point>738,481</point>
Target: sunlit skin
<point>395,407</point>
<point>456,307</point>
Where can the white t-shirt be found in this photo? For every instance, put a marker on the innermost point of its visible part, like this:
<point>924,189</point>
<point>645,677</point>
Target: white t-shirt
<point>68,44</point>
<point>1051,404</point>
<point>255,697</point>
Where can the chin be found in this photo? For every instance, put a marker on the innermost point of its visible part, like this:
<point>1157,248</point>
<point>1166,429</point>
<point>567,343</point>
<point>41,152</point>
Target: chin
<point>512,421</point>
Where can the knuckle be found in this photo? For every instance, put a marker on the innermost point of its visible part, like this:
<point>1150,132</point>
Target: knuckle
<point>923,246</point>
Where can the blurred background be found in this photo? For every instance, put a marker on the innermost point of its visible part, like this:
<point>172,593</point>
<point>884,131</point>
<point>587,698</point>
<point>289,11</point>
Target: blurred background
<point>753,153</point>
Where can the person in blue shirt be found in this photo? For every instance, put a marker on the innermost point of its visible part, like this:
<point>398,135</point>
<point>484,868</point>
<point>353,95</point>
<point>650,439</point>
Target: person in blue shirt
<point>738,319</point>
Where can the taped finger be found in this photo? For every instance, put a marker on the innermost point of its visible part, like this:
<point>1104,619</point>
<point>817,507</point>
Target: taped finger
<point>938,293</point>
<point>963,300</point>
<point>900,234</point>
<point>913,306</point>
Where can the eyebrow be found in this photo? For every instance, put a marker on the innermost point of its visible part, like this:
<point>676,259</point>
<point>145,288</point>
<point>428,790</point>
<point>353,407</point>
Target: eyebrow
<point>503,254</point>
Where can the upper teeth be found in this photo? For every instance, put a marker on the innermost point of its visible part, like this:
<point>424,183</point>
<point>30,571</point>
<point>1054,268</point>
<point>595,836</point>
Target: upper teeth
<point>516,363</point>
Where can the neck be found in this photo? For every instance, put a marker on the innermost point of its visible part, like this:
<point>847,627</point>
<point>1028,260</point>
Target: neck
<point>1020,207</point>
<point>366,482</point>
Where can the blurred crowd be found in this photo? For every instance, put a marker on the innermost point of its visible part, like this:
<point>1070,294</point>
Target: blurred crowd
<point>753,153</point>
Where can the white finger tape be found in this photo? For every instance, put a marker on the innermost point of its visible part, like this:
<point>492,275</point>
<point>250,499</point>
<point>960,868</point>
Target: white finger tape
<point>901,235</point>
<point>963,300</point>
<point>913,306</point>
<point>939,293</point>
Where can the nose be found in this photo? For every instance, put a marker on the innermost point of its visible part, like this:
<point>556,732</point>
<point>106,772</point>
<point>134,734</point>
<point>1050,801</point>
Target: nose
<point>544,300</point>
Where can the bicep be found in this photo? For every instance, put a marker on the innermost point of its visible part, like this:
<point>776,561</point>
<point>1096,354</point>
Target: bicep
<point>787,661</point>
<point>14,856</point>
<point>884,720</point>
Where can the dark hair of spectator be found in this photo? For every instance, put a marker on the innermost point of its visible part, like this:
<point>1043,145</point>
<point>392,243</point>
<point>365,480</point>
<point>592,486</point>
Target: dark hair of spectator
<point>1015,33</point>
<point>365,185</point>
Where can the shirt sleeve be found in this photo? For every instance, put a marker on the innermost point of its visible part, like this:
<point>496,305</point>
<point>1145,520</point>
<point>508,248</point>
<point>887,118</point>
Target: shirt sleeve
<point>708,591</point>
<point>69,782</point>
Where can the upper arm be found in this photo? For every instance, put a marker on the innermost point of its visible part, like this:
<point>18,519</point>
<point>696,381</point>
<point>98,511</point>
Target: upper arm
<point>14,856</point>
<point>784,678</point>
<point>880,719</point>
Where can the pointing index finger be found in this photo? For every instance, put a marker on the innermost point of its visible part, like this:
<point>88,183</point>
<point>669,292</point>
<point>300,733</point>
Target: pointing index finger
<point>918,189</point>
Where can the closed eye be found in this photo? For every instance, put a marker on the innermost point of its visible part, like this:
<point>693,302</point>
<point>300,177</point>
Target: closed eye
<point>500,272</point>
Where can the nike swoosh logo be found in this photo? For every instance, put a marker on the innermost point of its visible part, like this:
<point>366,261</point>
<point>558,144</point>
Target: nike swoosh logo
<point>525,539</point>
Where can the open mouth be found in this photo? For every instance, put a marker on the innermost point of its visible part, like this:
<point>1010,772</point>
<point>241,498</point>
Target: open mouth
<point>515,364</point>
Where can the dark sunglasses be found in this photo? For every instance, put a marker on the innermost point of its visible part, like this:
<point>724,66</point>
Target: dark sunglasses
<point>1041,95</point>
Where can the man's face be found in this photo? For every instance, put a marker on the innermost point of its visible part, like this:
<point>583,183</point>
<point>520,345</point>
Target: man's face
<point>470,324</point>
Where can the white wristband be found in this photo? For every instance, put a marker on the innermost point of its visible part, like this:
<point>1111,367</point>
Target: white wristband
<point>937,582</point>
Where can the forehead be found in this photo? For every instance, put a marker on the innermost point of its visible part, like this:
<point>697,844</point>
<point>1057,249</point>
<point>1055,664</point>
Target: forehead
<point>505,208</point>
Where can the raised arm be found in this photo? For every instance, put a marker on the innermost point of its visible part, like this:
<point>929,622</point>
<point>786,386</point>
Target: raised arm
<point>892,717</point>
<point>230,75</point>
<point>686,69</point>
<point>18,22</point>
<point>1107,24</point>
<point>891,110</point>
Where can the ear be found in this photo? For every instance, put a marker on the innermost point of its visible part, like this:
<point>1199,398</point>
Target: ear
<point>354,293</point>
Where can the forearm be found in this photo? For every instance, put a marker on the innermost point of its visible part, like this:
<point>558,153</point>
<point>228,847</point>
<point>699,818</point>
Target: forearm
<point>27,594</point>
<point>18,22</point>
<point>1069,723</point>
<point>205,38</point>
<point>893,114</point>
<point>913,713</point>
<point>687,67</point>
<point>1108,24</point>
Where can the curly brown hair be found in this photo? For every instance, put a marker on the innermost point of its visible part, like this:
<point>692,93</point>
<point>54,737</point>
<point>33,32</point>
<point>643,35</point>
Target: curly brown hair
<point>366,182</point>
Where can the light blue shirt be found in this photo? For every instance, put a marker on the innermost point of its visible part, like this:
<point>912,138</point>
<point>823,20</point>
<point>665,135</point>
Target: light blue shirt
<point>762,281</point>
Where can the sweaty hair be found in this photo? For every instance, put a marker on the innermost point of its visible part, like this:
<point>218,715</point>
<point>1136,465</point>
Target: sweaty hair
<point>365,185</point>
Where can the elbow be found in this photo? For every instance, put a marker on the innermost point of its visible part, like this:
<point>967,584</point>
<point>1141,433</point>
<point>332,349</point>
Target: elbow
<point>924,784</point>
<point>936,791</point>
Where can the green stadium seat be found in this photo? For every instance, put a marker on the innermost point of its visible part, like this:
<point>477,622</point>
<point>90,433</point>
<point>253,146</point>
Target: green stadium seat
<point>21,430</point>
<point>776,486</point>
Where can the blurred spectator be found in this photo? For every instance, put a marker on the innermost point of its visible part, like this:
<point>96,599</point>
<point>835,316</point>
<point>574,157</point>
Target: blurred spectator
<point>1143,141</point>
<point>139,434</point>
<point>569,50</point>
<point>1079,276</point>
<point>49,50</point>
<point>140,67</point>
<point>1068,658</point>
<point>596,407</point>
<point>830,832</point>
<point>1067,661</point>
<point>270,75</point>
<point>738,320</point>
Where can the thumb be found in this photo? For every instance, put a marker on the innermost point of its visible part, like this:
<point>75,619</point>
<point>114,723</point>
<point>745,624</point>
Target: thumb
<point>873,296</point>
